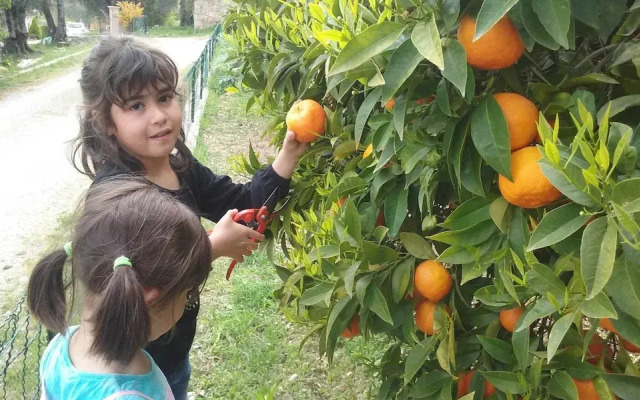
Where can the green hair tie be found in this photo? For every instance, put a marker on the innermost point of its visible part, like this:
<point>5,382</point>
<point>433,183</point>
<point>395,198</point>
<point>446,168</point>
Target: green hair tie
<point>68,248</point>
<point>121,261</point>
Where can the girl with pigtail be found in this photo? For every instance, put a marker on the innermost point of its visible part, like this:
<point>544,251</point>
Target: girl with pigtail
<point>138,255</point>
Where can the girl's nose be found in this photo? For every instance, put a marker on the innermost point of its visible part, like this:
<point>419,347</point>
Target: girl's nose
<point>158,115</point>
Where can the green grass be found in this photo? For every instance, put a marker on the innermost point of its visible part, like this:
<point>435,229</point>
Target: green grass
<point>170,31</point>
<point>11,79</point>
<point>245,349</point>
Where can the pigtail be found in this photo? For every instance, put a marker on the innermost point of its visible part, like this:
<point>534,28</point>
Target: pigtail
<point>121,320</point>
<point>45,293</point>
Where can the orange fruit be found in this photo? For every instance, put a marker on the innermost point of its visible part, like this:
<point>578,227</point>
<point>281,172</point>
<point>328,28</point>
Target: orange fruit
<point>606,324</point>
<point>521,116</point>
<point>353,329</point>
<point>464,385</point>
<point>367,152</point>
<point>586,389</point>
<point>529,188</point>
<point>426,100</point>
<point>425,312</point>
<point>307,120</point>
<point>499,48</point>
<point>595,349</point>
<point>432,280</point>
<point>509,318</point>
<point>629,346</point>
<point>390,104</point>
<point>380,221</point>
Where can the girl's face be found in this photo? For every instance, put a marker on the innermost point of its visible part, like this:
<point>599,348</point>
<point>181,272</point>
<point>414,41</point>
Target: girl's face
<point>149,124</point>
<point>164,319</point>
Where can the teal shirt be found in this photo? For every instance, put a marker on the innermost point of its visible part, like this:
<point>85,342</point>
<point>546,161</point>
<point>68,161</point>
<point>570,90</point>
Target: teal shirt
<point>62,381</point>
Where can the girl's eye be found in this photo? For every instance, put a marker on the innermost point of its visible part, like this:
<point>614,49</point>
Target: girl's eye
<point>165,98</point>
<point>137,106</point>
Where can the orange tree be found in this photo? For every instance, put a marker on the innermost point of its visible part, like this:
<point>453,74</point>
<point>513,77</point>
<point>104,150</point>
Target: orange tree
<point>504,164</point>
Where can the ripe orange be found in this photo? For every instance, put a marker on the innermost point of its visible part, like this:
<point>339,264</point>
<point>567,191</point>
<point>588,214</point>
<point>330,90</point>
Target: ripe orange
<point>426,100</point>
<point>425,312</point>
<point>432,280</point>
<point>606,324</point>
<point>586,389</point>
<point>629,346</point>
<point>367,152</point>
<point>464,385</point>
<point>530,188</point>
<point>595,348</point>
<point>307,120</point>
<point>353,329</point>
<point>509,318</point>
<point>390,104</point>
<point>499,48</point>
<point>521,116</point>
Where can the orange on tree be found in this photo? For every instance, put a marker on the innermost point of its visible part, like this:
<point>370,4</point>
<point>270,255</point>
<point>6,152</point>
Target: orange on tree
<point>595,350</point>
<point>367,152</point>
<point>606,324</point>
<point>464,385</point>
<point>353,328</point>
<point>509,318</point>
<point>529,188</point>
<point>425,313</point>
<point>307,120</point>
<point>390,104</point>
<point>380,221</point>
<point>521,116</point>
<point>432,280</point>
<point>629,346</point>
<point>586,389</point>
<point>500,47</point>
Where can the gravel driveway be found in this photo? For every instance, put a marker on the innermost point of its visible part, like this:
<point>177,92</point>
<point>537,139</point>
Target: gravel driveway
<point>38,181</point>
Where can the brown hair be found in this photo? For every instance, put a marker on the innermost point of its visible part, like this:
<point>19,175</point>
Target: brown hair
<point>168,248</point>
<point>116,69</point>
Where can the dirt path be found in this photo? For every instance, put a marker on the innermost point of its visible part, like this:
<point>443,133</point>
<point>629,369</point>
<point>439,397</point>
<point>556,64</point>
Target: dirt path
<point>39,182</point>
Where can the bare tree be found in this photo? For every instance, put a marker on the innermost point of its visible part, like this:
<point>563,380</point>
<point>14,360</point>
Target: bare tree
<point>61,29</point>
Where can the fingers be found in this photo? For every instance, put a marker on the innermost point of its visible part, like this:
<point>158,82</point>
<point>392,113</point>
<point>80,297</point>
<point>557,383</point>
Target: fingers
<point>290,135</point>
<point>252,246</point>
<point>255,235</point>
<point>239,258</point>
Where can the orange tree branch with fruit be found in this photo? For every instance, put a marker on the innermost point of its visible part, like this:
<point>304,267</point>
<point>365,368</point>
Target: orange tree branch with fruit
<point>471,191</point>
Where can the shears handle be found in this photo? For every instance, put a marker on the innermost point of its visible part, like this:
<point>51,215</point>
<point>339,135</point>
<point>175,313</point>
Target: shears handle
<point>255,219</point>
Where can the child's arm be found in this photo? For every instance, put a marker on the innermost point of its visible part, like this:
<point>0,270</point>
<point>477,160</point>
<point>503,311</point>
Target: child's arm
<point>287,159</point>
<point>231,239</point>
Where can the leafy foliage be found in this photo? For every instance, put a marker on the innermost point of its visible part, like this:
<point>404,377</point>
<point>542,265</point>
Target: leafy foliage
<point>34,29</point>
<point>433,174</point>
<point>129,11</point>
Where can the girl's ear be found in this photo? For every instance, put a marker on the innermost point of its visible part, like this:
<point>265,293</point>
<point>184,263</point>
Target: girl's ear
<point>151,295</point>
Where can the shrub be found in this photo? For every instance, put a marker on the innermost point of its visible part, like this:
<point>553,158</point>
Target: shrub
<point>569,258</point>
<point>129,11</point>
<point>35,31</point>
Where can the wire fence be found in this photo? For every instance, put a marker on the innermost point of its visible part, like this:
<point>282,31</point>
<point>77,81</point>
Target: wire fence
<point>22,340</point>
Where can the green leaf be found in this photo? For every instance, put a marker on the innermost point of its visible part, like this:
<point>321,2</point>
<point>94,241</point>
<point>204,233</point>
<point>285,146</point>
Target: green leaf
<point>317,294</point>
<point>426,39</point>
<point>395,210</point>
<point>625,386</point>
<point>352,221</point>
<point>626,194</point>
<point>416,358</point>
<point>562,386</point>
<point>378,304</point>
<point>557,225</point>
<point>490,296</point>
<point>417,246</point>
<point>534,27</point>
<point>599,307</point>
<point>467,237</point>
<point>379,254</point>
<point>455,65</point>
<point>365,110</point>
<point>508,382</point>
<point>497,349</point>
<point>491,136</point>
<point>619,105</point>
<point>490,13</point>
<point>558,331</point>
<point>542,279</point>
<point>593,78</point>
<point>253,159</point>
<point>560,182</point>
<point>627,327</point>
<point>403,62</point>
<point>597,254</point>
<point>450,10</point>
<point>470,175</point>
<point>400,279</point>
<point>555,16</point>
<point>520,342</point>
<point>542,308</point>
<point>368,43</point>
<point>500,215</point>
<point>624,286</point>
<point>350,276</point>
<point>602,15</point>
<point>456,255</point>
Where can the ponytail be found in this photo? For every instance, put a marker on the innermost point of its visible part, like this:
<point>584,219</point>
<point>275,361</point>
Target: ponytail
<point>45,293</point>
<point>121,320</point>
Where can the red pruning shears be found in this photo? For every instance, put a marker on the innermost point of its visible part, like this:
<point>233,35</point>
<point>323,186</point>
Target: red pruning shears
<point>258,219</point>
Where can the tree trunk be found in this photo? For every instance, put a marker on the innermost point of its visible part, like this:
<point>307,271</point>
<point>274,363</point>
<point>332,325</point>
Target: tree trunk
<point>61,30</point>
<point>16,42</point>
<point>51,24</point>
<point>186,12</point>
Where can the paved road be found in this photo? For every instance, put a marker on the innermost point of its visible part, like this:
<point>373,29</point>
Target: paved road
<point>38,181</point>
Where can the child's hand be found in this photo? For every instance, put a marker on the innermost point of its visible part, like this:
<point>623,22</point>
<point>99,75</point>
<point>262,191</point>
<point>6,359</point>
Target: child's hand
<point>288,157</point>
<point>231,239</point>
